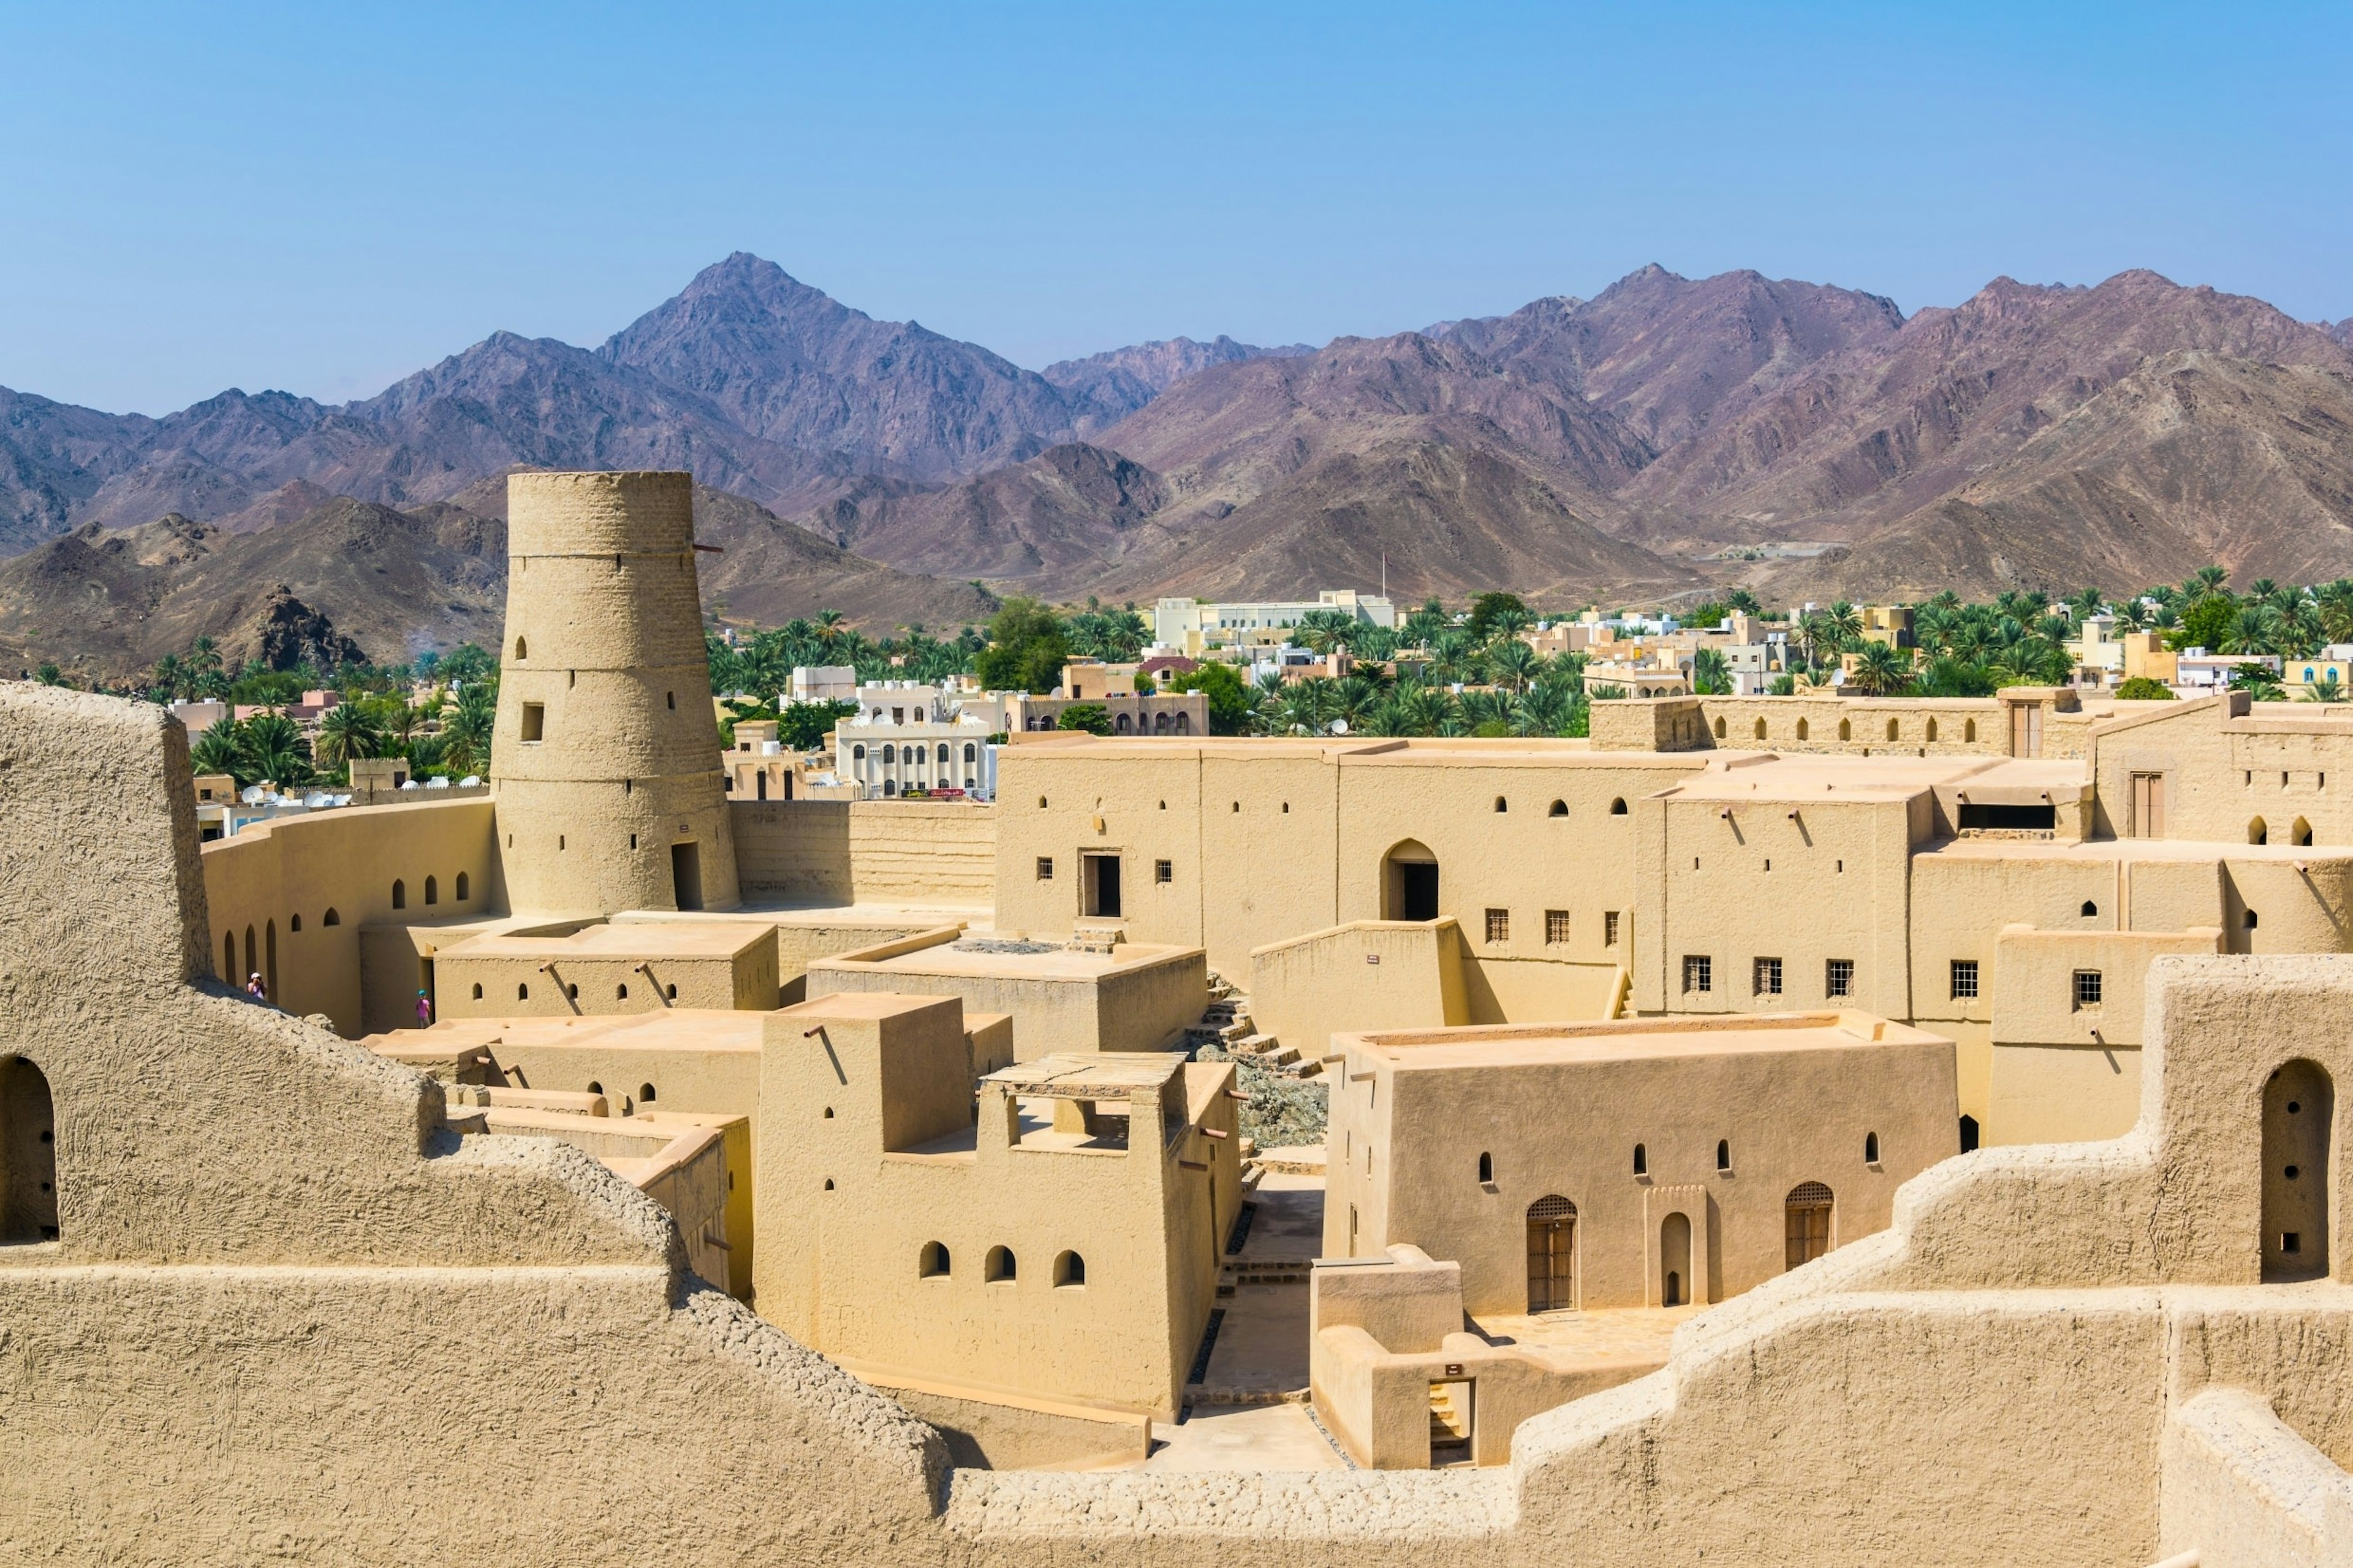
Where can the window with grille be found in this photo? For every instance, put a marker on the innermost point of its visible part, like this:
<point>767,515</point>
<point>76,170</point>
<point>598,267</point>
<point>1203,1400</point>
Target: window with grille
<point>2087,988</point>
<point>1699,972</point>
<point>1045,868</point>
<point>1610,928</point>
<point>1837,978</point>
<point>1499,925</point>
<point>1556,927</point>
<point>1164,870</point>
<point>1965,979</point>
<point>1769,977</point>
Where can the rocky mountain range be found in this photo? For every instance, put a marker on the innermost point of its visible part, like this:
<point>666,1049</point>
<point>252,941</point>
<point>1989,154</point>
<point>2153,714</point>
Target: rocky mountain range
<point>1655,442</point>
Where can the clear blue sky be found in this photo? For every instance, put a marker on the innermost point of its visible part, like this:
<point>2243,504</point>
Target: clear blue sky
<point>324,198</point>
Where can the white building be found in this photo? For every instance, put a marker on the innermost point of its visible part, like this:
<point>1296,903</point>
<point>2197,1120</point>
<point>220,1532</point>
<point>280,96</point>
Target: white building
<point>824,683</point>
<point>887,760</point>
<point>1189,626</point>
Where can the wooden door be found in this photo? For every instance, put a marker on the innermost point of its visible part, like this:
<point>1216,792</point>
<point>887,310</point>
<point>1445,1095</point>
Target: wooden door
<point>1552,1254</point>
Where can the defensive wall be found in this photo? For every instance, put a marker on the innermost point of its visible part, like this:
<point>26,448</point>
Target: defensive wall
<point>2028,1307</point>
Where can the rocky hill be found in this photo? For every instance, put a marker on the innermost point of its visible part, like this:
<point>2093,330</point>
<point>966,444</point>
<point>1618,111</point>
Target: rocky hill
<point>1629,444</point>
<point>357,579</point>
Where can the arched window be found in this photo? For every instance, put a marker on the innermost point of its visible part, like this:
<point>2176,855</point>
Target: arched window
<point>1969,728</point>
<point>1486,1167</point>
<point>857,753</point>
<point>1184,724</point>
<point>1891,729</point>
<point>2089,908</point>
<point>645,1094</point>
<point>1618,808</point>
<point>1806,1223</point>
<point>2257,832</point>
<point>252,954</point>
<point>2299,1103</point>
<point>1123,726</point>
<point>2299,833</point>
<point>1871,1148</point>
<point>620,992</point>
<point>399,894</point>
<point>1759,729</point>
<point>477,990</point>
<point>1932,729</point>
<point>522,991</point>
<point>1552,1254</point>
<point>521,649</point>
<point>1069,1270</point>
<point>463,888</point>
<point>1502,804</point>
<point>1719,726</point>
<point>1557,808</point>
<point>943,758</point>
<point>331,918</point>
<point>229,971</point>
<point>1804,730</point>
<point>1724,1153</point>
<point>1968,1134</point>
<point>1409,883</point>
<point>29,1154</point>
<point>293,922</point>
<point>890,755</point>
<point>669,993</point>
<point>1846,728</point>
<point>571,992</point>
<point>432,889</point>
<point>1642,1160</point>
<point>971,753</point>
<point>2250,921</point>
<point>1160,723</point>
<point>997,1267</point>
<point>596,1087</point>
<point>931,1263</point>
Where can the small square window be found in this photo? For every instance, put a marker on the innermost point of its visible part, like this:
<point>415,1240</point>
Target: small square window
<point>534,721</point>
<point>1609,928</point>
<point>1838,977</point>
<point>1045,868</point>
<point>1499,925</point>
<point>1965,979</point>
<point>1769,977</point>
<point>1699,972</point>
<point>2087,988</point>
<point>1164,870</point>
<point>1556,927</point>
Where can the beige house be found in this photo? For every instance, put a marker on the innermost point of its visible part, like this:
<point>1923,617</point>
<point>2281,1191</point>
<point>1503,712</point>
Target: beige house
<point>1639,1164</point>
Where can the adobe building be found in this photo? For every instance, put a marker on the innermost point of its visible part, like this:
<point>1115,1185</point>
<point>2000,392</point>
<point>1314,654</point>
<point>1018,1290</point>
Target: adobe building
<point>2170,1300</point>
<point>1637,1164</point>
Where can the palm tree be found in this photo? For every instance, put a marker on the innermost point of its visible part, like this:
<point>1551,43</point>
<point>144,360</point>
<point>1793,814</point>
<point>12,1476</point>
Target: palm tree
<point>2252,629</point>
<point>217,751</point>
<point>1354,699</point>
<point>1516,662</point>
<point>2335,604</point>
<point>1710,677</point>
<point>2204,583</point>
<point>273,748</point>
<point>1879,670</point>
<point>347,731</point>
<point>1424,710</point>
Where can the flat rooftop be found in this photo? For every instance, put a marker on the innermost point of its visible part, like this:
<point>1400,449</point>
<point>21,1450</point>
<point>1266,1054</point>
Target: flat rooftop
<point>1628,1039</point>
<point>671,939</point>
<point>1110,1076</point>
<point>666,1028</point>
<point>1001,958</point>
<point>1733,777</point>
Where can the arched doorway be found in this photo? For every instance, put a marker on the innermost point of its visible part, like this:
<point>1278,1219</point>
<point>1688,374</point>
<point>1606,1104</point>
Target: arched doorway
<point>1552,1254</point>
<point>1806,1221</point>
<point>1409,883</point>
<point>1674,1260</point>
<point>29,1154</point>
<point>2299,1103</point>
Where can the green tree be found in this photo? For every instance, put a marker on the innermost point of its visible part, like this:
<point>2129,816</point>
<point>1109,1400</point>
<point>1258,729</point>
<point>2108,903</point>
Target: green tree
<point>1092,717</point>
<point>1496,615</point>
<point>467,663</point>
<point>1515,664</point>
<point>2141,689</point>
<point>803,726</point>
<point>271,747</point>
<point>1744,600</point>
<point>1708,616</point>
<point>217,751</point>
<point>1879,670</point>
<point>49,674</point>
<point>1027,649</point>
<point>2205,623</point>
<point>1229,701</point>
<point>2327,688</point>
<point>346,731</point>
<point>1710,677</point>
<point>466,735</point>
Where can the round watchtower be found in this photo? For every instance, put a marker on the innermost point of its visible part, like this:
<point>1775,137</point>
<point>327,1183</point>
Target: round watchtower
<point>604,764</point>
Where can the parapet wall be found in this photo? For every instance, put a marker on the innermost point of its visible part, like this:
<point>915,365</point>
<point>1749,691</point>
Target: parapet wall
<point>932,855</point>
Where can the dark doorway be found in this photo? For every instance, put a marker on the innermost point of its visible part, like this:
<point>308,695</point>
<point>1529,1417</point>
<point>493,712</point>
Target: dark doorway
<point>1099,874</point>
<point>1674,1260</point>
<point>2299,1103</point>
<point>1418,890</point>
<point>686,875</point>
<point>29,1154</point>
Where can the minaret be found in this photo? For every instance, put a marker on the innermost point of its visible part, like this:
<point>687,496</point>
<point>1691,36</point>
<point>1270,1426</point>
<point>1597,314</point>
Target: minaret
<point>604,766</point>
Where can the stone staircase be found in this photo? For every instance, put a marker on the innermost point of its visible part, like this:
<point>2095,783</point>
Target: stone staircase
<point>1450,1429</point>
<point>1226,1023</point>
